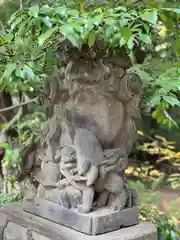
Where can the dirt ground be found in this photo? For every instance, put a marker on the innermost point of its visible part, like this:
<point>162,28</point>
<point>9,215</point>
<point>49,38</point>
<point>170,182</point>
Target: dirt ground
<point>169,200</point>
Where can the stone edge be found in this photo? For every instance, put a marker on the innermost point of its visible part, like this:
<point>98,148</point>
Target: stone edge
<point>142,231</point>
<point>95,224</point>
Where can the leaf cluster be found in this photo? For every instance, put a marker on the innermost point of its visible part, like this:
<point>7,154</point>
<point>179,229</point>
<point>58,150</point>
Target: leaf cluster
<point>162,88</point>
<point>165,151</point>
<point>30,45</point>
<point>12,157</point>
<point>167,229</point>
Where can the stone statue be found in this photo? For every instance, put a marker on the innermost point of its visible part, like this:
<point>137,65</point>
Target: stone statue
<point>91,108</point>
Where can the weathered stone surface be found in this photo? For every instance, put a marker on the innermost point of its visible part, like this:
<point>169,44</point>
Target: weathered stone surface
<point>50,173</point>
<point>14,231</point>
<point>20,224</point>
<point>96,222</point>
<point>92,107</point>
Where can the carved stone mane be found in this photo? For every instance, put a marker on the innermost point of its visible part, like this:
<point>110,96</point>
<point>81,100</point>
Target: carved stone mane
<point>95,96</point>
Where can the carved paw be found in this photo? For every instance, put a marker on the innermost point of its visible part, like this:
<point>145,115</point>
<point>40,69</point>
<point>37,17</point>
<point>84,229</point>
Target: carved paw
<point>87,200</point>
<point>99,204</point>
<point>118,201</point>
<point>83,209</point>
<point>117,208</point>
<point>102,200</point>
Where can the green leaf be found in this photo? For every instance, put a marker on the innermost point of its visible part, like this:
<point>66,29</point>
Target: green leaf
<point>77,28</point>
<point>171,100</point>
<point>145,38</point>
<point>20,72</point>
<point>68,31</point>
<point>16,22</point>
<point>150,16</point>
<point>75,40</point>
<point>4,145</point>
<point>34,11</point>
<point>97,19</point>
<point>28,72</point>
<point>122,42</point>
<point>44,36</point>
<point>177,10</point>
<point>13,16</point>
<point>73,13</point>
<point>163,17</point>
<point>130,43</point>
<point>123,22</point>
<point>2,50</point>
<point>10,69</point>
<point>115,38</point>
<point>47,22</point>
<point>146,27</point>
<point>155,100</point>
<point>91,39</point>
<point>97,10</point>
<point>174,235</point>
<point>6,38</point>
<point>120,8</point>
<point>108,32</point>
<point>45,9</point>
<point>126,34</point>
<point>61,11</point>
<point>110,21</point>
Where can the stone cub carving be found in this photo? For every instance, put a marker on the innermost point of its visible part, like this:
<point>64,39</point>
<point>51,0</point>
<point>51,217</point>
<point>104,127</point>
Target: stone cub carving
<point>91,108</point>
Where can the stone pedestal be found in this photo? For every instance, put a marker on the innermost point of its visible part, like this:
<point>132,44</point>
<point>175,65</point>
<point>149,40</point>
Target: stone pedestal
<point>18,225</point>
<point>15,224</point>
<point>96,222</point>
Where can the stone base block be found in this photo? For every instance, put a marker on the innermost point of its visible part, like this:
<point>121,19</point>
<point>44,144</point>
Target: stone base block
<point>16,224</point>
<point>96,222</point>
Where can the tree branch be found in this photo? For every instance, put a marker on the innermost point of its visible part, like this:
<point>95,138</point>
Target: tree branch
<point>12,121</point>
<point>2,26</point>
<point>21,4</point>
<point>18,105</point>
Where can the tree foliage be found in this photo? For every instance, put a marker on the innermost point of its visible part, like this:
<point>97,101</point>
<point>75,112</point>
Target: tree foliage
<point>165,151</point>
<point>29,46</point>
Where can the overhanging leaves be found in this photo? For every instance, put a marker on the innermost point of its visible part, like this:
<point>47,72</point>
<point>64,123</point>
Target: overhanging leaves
<point>69,32</point>
<point>150,16</point>
<point>33,11</point>
<point>145,38</point>
<point>171,100</point>
<point>9,70</point>
<point>46,35</point>
<point>91,39</point>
